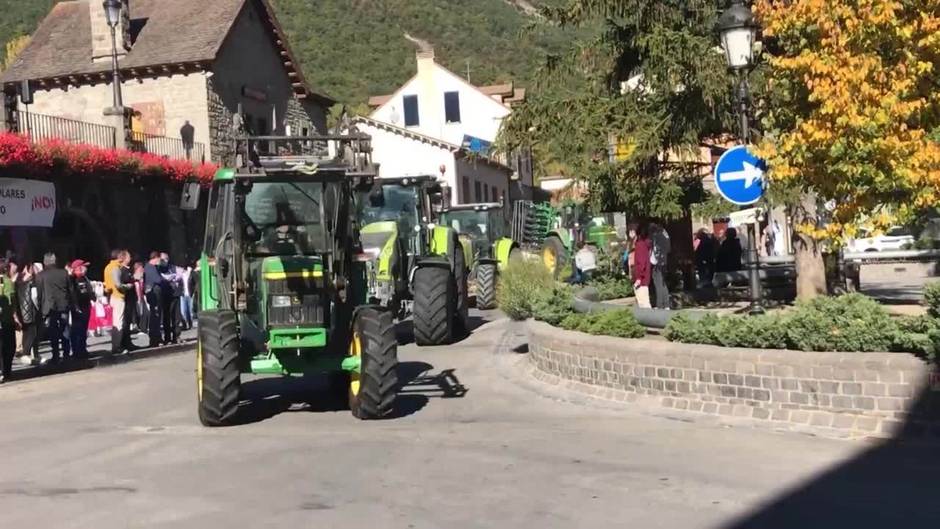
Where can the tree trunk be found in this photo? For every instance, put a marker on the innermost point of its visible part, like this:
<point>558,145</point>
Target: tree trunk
<point>810,268</point>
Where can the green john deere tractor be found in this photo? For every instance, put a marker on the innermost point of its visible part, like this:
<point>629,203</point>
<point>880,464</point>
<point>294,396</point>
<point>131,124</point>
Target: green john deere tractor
<point>557,231</point>
<point>482,227</point>
<point>414,266</point>
<point>281,291</point>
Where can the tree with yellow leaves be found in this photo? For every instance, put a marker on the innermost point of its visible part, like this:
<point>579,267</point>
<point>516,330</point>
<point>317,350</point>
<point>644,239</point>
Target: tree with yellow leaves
<point>852,108</point>
<point>13,49</point>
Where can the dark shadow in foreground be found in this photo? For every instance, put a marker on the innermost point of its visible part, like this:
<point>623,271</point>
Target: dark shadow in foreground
<point>894,484</point>
<point>264,398</point>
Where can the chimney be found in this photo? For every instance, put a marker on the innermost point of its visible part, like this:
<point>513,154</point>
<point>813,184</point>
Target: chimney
<point>101,32</point>
<point>425,59</point>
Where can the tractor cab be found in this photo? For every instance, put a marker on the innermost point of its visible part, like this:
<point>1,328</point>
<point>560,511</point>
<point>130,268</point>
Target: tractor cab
<point>480,224</point>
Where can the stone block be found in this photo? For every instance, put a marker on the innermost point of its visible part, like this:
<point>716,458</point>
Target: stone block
<point>844,421</point>
<point>662,372</point>
<point>697,363</point>
<point>670,385</point>
<point>824,400</point>
<point>761,395</point>
<point>765,370</point>
<point>890,404</point>
<point>760,413</point>
<point>841,401</point>
<point>704,376</point>
<point>689,374</point>
<point>890,427</point>
<point>720,378</point>
<point>744,393</point>
<point>863,403</point>
<point>696,405</point>
<point>799,398</point>
<point>683,387</point>
<point>821,419</point>
<point>822,372</point>
<point>783,371</point>
<point>710,407</point>
<point>800,416</point>
<point>725,409</point>
<point>675,373</point>
<point>780,396</point>
<point>900,390</point>
<point>742,410</point>
<point>866,375</point>
<point>658,385</point>
<point>851,388</point>
<point>736,380</point>
<point>770,383</point>
<point>826,386</point>
<point>809,386</point>
<point>874,389</point>
<point>649,371</point>
<point>682,404</point>
<point>667,402</point>
<point>752,381</point>
<point>889,376</point>
<point>744,367</point>
<point>867,424</point>
<point>790,384</point>
<point>844,374</point>
<point>781,415</point>
<point>727,391</point>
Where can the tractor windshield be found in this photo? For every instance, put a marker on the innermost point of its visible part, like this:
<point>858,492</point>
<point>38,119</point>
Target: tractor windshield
<point>391,203</point>
<point>470,222</point>
<point>287,218</point>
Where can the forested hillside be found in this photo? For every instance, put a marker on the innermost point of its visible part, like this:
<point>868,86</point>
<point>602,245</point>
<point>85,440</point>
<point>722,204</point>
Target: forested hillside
<point>355,48</point>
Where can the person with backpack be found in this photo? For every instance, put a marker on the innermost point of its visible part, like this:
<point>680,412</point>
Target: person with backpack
<point>27,303</point>
<point>82,294</point>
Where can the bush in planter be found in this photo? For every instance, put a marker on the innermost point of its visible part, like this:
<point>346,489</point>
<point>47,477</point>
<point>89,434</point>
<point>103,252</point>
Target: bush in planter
<point>932,298</point>
<point>682,329</point>
<point>552,304</point>
<point>620,323</point>
<point>520,284</point>
<point>851,322</point>
<point>767,332</point>
<point>612,287</point>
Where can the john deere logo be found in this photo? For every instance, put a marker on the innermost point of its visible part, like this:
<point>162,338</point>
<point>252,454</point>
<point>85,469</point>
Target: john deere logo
<point>305,168</point>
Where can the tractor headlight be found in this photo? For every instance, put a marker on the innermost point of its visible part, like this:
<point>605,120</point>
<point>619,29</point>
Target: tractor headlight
<point>280,301</point>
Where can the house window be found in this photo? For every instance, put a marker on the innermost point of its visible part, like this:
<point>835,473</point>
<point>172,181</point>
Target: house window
<point>486,193</point>
<point>411,111</point>
<point>452,107</point>
<point>477,192</point>
<point>495,194</point>
<point>465,197</point>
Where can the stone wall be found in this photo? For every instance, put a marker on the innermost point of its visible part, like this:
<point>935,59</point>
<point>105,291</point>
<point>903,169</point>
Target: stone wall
<point>846,394</point>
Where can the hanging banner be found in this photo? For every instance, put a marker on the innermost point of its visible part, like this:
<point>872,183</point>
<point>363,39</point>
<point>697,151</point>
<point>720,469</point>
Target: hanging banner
<point>26,203</point>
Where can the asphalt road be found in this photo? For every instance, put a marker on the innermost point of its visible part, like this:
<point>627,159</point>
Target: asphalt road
<point>474,445</point>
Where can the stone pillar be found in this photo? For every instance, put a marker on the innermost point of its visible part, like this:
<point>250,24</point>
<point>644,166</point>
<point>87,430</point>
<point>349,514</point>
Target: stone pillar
<point>120,119</point>
<point>101,31</point>
<point>176,226</point>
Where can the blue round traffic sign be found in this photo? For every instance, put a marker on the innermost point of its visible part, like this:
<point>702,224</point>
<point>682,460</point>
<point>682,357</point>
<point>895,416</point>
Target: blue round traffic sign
<point>739,176</point>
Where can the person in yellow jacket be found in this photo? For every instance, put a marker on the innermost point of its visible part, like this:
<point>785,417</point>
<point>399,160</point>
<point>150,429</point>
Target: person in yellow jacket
<point>119,282</point>
<point>113,265</point>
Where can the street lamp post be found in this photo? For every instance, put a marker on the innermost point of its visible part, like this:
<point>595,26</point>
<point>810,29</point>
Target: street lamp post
<point>112,11</point>
<point>738,30</point>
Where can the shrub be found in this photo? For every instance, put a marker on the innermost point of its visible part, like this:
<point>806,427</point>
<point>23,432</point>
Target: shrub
<point>520,284</point>
<point>552,304</point>
<point>852,322</point>
<point>620,323</point>
<point>613,287</point>
<point>932,298</point>
<point>683,329</point>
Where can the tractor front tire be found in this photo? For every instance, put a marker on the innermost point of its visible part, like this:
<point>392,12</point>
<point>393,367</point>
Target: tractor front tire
<point>462,314</point>
<point>486,286</point>
<point>374,395</point>
<point>435,305</point>
<point>554,255</point>
<point>218,372</point>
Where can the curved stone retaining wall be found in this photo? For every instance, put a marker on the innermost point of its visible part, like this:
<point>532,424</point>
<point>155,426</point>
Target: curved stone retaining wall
<point>852,394</point>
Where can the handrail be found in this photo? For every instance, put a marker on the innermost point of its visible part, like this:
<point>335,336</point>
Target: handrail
<point>40,127</point>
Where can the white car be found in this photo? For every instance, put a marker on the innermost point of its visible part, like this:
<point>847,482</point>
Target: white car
<point>895,238</point>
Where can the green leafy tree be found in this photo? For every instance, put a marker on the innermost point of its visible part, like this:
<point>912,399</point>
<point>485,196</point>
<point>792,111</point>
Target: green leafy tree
<point>650,82</point>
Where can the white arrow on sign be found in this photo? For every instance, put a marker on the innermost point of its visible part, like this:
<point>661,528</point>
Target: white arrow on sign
<point>749,174</point>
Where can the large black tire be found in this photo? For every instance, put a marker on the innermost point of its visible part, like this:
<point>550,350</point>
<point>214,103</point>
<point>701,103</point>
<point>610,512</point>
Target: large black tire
<point>486,286</point>
<point>462,313</point>
<point>554,246</point>
<point>435,306</point>
<point>378,368</point>
<point>219,376</point>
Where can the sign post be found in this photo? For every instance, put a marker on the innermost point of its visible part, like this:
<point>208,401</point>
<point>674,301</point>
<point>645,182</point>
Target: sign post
<point>739,176</point>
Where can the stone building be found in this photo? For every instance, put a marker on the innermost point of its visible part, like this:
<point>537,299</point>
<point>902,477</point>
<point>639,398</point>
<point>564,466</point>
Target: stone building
<point>181,61</point>
<point>184,65</point>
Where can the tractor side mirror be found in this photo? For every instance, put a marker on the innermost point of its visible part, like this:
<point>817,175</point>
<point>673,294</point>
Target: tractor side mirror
<point>189,201</point>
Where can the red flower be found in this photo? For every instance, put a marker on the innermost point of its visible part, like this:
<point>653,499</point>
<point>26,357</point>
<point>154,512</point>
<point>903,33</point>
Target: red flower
<point>56,157</point>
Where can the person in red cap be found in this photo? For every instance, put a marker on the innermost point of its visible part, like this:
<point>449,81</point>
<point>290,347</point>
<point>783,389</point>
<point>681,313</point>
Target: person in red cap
<point>82,294</point>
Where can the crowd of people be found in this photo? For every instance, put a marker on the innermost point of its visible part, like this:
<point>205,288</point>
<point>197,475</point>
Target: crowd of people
<point>64,306</point>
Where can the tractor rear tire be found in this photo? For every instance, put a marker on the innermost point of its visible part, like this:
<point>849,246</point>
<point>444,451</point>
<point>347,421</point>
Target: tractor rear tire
<point>435,306</point>
<point>462,315</point>
<point>378,367</point>
<point>554,247</point>
<point>219,375</point>
<point>486,286</point>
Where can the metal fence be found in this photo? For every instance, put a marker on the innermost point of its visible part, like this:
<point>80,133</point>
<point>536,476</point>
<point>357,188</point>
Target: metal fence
<point>172,148</point>
<point>40,127</point>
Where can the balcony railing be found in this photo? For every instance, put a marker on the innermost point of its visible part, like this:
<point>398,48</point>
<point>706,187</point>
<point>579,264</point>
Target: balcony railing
<point>173,148</point>
<point>41,127</point>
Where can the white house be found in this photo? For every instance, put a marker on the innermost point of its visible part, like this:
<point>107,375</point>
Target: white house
<point>438,123</point>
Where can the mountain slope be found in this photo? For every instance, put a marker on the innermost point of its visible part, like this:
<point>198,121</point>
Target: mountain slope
<point>352,49</point>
